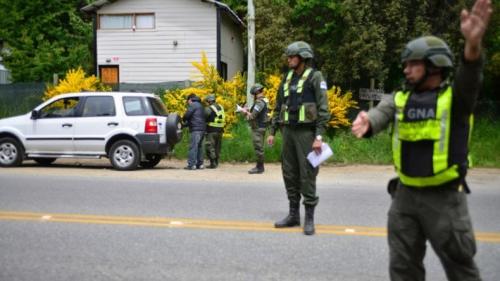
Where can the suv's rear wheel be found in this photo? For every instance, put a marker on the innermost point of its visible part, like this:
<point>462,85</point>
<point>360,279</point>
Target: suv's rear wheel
<point>44,161</point>
<point>151,161</point>
<point>124,155</point>
<point>174,129</point>
<point>11,152</point>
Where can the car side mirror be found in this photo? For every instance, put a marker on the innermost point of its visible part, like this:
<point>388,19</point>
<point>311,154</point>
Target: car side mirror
<point>35,114</point>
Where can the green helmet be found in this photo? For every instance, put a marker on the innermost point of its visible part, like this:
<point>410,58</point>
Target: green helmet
<point>256,89</point>
<point>428,48</point>
<point>210,98</point>
<point>300,48</point>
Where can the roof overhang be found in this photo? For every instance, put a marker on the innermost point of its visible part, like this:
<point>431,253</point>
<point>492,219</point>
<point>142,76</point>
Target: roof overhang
<point>228,10</point>
<point>94,6</point>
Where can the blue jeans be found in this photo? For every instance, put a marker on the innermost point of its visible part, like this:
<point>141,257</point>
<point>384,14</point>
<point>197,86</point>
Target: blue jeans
<point>195,156</point>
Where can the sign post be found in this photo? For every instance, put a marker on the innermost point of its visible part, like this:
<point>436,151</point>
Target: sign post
<point>371,94</point>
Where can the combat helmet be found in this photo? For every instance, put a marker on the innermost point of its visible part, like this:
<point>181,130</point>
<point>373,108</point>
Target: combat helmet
<point>429,48</point>
<point>299,48</point>
<point>256,89</point>
<point>210,98</point>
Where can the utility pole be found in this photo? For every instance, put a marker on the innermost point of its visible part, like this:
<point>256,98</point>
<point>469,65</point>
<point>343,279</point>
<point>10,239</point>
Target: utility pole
<point>251,49</point>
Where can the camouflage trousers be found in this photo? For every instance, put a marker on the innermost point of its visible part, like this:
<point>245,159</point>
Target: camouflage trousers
<point>258,143</point>
<point>298,174</point>
<point>213,145</point>
<point>439,215</point>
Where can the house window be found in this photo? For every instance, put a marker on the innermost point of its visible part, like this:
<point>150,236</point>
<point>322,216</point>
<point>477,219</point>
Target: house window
<point>223,70</point>
<point>127,21</point>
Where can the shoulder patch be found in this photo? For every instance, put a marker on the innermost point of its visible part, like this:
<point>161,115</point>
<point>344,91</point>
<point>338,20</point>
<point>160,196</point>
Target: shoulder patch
<point>323,85</point>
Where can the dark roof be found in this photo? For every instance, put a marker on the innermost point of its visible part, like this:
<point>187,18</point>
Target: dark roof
<point>94,6</point>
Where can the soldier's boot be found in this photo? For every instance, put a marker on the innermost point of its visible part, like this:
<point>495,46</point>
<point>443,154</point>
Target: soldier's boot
<point>309,220</point>
<point>258,169</point>
<point>293,218</point>
<point>213,164</point>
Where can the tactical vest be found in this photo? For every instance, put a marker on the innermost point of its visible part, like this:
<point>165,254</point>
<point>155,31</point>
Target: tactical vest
<point>432,124</point>
<point>302,109</point>
<point>262,118</point>
<point>220,117</point>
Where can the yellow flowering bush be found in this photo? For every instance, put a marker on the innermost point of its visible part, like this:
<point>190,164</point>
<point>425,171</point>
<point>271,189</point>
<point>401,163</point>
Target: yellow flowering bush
<point>75,81</point>
<point>338,103</point>
<point>208,81</point>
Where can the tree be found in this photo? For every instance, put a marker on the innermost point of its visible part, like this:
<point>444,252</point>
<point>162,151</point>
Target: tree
<point>43,37</point>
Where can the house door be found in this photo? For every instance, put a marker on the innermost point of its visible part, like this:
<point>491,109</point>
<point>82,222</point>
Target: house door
<point>110,75</point>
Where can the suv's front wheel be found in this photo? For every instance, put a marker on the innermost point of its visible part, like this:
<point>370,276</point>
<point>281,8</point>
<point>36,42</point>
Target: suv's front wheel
<point>11,152</point>
<point>124,155</point>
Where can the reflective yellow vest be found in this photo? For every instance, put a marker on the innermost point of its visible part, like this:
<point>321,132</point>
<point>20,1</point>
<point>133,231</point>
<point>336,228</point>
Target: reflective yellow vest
<point>304,106</point>
<point>436,129</point>
<point>220,117</point>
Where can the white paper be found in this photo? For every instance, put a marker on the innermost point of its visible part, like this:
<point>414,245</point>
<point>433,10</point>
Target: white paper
<point>239,108</point>
<point>316,159</point>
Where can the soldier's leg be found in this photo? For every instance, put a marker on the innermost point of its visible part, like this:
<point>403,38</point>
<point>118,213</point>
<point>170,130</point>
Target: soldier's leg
<point>218,145</point>
<point>290,177</point>
<point>449,228</point>
<point>209,145</point>
<point>406,238</point>
<point>304,140</point>
<point>290,166</point>
<point>258,144</point>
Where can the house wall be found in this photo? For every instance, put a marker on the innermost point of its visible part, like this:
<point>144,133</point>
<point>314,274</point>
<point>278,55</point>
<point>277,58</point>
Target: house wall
<point>231,46</point>
<point>149,56</point>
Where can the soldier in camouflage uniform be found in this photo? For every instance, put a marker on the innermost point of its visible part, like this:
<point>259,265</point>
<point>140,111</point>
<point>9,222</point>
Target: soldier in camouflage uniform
<point>215,117</point>
<point>432,121</point>
<point>257,116</point>
<point>302,114</point>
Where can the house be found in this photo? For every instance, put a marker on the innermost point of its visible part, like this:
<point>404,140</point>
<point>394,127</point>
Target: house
<point>4,72</point>
<point>156,41</point>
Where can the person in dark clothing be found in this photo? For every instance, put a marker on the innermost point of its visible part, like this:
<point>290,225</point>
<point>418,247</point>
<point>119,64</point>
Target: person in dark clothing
<point>432,121</point>
<point>215,115</point>
<point>195,120</point>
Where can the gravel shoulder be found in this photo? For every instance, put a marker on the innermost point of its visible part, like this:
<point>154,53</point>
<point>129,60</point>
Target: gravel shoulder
<point>230,172</point>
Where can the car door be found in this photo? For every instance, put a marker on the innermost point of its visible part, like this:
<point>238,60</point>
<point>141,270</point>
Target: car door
<point>52,131</point>
<point>98,121</point>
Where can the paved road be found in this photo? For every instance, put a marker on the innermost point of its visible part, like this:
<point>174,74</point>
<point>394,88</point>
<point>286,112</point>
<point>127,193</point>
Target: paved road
<point>84,221</point>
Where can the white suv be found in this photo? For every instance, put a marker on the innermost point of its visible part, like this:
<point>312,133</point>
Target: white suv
<point>131,129</point>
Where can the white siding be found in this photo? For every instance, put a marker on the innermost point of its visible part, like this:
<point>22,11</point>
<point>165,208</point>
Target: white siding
<point>231,46</point>
<point>149,56</point>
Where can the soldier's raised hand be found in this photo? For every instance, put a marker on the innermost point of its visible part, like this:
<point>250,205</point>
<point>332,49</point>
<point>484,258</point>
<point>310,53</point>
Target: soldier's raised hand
<point>473,25</point>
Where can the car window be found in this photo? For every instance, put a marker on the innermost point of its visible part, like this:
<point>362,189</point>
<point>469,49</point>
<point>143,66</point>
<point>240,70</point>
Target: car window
<point>158,107</point>
<point>61,108</point>
<point>98,106</point>
<point>135,106</point>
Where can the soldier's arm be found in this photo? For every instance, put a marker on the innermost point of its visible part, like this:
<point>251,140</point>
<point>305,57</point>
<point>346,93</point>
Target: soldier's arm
<point>381,115</point>
<point>468,78</point>
<point>276,111</point>
<point>320,89</point>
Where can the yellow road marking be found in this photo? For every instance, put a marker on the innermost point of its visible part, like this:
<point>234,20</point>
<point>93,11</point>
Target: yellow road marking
<point>492,237</point>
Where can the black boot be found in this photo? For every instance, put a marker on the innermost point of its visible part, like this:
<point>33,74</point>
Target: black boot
<point>309,220</point>
<point>258,169</point>
<point>293,218</point>
<point>213,164</point>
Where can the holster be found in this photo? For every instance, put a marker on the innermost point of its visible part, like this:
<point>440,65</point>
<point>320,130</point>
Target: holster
<point>392,186</point>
